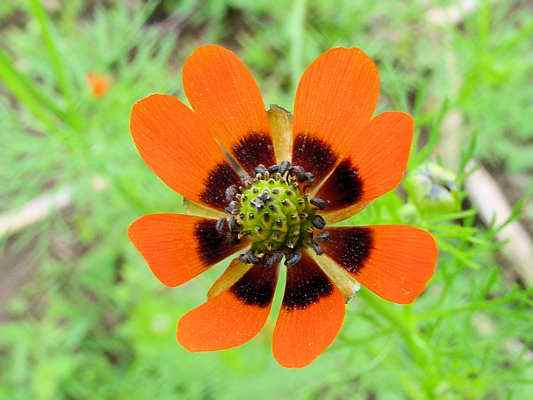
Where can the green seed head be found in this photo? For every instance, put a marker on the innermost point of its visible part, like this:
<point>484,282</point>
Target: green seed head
<point>274,214</point>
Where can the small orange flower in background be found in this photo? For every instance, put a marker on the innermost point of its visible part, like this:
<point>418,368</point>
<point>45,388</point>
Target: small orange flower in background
<point>98,84</point>
<point>267,185</point>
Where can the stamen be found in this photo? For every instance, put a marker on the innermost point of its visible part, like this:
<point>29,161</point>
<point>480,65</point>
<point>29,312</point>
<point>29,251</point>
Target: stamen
<point>232,208</point>
<point>230,192</point>
<point>273,169</point>
<point>257,203</point>
<point>249,257</point>
<point>318,202</point>
<point>220,225</point>
<point>293,258</point>
<point>322,237</point>
<point>318,222</point>
<point>232,224</point>
<point>260,169</point>
<point>273,259</point>
<point>309,176</point>
<point>284,166</point>
<point>316,247</point>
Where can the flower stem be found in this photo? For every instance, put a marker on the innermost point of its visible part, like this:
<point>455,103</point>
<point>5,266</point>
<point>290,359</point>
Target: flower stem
<point>415,344</point>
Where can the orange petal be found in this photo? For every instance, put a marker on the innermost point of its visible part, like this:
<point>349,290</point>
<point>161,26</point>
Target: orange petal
<point>335,100</point>
<point>232,317</point>
<point>311,315</point>
<point>375,164</point>
<point>179,247</point>
<point>393,261</point>
<point>222,90</point>
<point>177,146</point>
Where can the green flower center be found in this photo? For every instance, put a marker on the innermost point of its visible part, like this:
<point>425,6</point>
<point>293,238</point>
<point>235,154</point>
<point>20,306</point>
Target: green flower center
<point>275,214</point>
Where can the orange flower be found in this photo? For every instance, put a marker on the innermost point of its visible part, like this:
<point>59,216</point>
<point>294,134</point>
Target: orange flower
<point>269,184</point>
<point>98,84</point>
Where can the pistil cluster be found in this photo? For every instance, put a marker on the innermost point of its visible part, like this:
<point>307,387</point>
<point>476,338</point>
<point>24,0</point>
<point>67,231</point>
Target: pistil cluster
<point>272,210</point>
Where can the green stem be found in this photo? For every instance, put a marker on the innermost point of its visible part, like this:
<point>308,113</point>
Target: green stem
<point>26,92</point>
<point>297,39</point>
<point>411,338</point>
<point>416,346</point>
<point>38,11</point>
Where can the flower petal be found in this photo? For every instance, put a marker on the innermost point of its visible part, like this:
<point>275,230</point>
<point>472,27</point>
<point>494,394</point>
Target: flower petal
<point>393,261</point>
<point>232,317</point>
<point>222,90</point>
<point>177,146</point>
<point>375,164</point>
<point>311,315</point>
<point>179,247</point>
<point>335,100</point>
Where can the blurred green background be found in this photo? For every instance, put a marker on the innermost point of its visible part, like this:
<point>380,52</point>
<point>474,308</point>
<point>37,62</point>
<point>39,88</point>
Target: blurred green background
<point>81,316</point>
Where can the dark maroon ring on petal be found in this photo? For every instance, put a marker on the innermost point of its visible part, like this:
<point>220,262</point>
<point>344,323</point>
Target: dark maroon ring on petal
<point>256,287</point>
<point>314,155</point>
<point>219,179</point>
<point>306,284</point>
<point>213,245</point>
<point>254,149</point>
<point>349,247</point>
<point>343,188</point>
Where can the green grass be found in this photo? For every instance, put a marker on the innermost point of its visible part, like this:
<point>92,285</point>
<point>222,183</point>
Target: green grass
<point>92,322</point>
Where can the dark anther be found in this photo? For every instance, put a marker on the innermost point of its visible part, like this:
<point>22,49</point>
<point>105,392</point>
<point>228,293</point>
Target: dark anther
<point>318,222</point>
<point>220,225</point>
<point>279,222</point>
<point>285,202</point>
<point>258,229</point>
<point>257,203</point>
<point>232,208</point>
<point>300,177</point>
<point>322,237</point>
<point>255,190</point>
<point>231,191</point>
<point>293,258</point>
<point>272,207</point>
<point>316,247</point>
<point>289,193</point>
<point>251,216</point>
<point>266,217</point>
<point>273,259</point>
<point>309,176</point>
<point>274,168</point>
<point>275,191</point>
<point>260,169</point>
<point>248,258</point>
<point>232,224</point>
<point>284,166</point>
<point>296,170</point>
<point>318,202</point>
<point>265,196</point>
<point>242,234</point>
